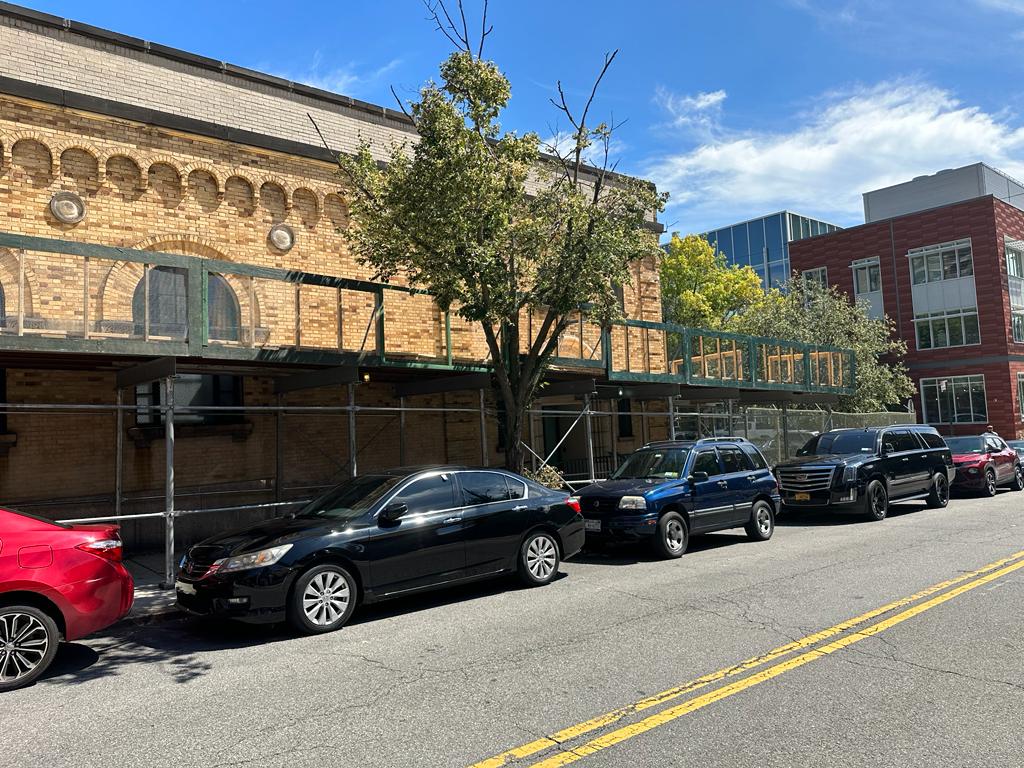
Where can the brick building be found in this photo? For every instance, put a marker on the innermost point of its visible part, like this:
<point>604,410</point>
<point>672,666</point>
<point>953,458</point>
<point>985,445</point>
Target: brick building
<point>950,278</point>
<point>169,234</point>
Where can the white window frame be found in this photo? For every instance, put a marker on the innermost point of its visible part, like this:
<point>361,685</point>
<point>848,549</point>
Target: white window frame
<point>1015,279</point>
<point>963,313</point>
<point>951,382</point>
<point>820,281</point>
<point>926,253</point>
<point>867,264</point>
<point>1020,394</point>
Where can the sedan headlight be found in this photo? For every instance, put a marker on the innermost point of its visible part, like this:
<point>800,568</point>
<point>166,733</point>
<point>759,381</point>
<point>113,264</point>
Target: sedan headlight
<point>259,559</point>
<point>632,502</point>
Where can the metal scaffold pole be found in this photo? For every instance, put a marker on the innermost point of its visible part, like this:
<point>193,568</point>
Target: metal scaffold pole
<point>169,482</point>
<point>483,430</point>
<point>590,437</point>
<point>119,453</point>
<point>353,469</point>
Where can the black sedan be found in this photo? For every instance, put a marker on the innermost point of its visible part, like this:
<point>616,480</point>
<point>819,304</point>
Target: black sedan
<point>380,536</point>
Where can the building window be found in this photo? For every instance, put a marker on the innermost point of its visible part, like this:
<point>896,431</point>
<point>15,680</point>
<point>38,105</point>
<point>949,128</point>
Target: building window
<point>192,389</point>
<point>1020,395</point>
<point>954,400</point>
<point>946,261</point>
<point>1015,280</point>
<point>817,278</point>
<point>3,398</point>
<point>867,285</point>
<point>168,306</point>
<point>951,328</point>
<point>625,418</point>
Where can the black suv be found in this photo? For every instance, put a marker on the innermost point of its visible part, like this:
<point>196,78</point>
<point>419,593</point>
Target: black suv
<point>667,490</point>
<point>863,469</point>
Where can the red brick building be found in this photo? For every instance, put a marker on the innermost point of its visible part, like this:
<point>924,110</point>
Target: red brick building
<point>950,278</point>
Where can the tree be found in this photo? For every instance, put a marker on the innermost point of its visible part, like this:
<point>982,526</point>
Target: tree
<point>493,228</point>
<point>811,314</point>
<point>698,288</point>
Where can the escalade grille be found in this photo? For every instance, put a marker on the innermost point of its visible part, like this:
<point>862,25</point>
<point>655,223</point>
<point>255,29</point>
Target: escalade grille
<point>805,478</point>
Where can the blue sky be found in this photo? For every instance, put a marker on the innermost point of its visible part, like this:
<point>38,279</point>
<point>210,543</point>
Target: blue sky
<point>735,108</point>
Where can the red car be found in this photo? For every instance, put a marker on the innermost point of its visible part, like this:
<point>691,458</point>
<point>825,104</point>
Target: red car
<point>56,582</point>
<point>985,462</point>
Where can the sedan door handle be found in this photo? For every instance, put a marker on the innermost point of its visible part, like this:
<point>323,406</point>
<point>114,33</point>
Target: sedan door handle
<point>451,520</point>
<point>519,508</point>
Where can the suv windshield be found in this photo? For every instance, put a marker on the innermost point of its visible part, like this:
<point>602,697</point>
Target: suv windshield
<point>838,443</point>
<point>966,444</point>
<point>663,464</point>
<point>351,499</point>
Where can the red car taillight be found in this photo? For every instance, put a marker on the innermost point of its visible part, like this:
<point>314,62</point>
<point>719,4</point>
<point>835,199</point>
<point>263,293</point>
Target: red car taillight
<point>574,504</point>
<point>108,549</point>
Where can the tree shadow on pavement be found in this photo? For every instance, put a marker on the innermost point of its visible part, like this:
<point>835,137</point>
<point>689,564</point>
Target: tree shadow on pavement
<point>630,553</point>
<point>805,518</point>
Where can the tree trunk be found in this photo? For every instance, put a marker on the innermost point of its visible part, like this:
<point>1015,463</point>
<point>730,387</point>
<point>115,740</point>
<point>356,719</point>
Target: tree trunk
<point>515,454</point>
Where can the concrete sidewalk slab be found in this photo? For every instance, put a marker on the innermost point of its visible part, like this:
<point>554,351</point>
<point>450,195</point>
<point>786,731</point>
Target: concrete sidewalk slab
<point>151,599</point>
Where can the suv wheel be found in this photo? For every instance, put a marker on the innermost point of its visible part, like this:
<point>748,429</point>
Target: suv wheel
<point>671,538</point>
<point>762,521</point>
<point>1018,478</point>
<point>876,500</point>
<point>938,497</point>
<point>990,488</point>
<point>28,643</point>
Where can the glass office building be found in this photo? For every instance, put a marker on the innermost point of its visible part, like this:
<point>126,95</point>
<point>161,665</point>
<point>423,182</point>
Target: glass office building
<point>764,243</point>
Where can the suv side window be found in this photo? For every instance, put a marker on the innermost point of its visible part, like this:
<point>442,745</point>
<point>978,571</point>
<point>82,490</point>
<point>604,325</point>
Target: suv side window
<point>932,440</point>
<point>900,441</point>
<point>733,460</point>
<point>994,444</point>
<point>483,488</point>
<point>755,456</point>
<point>427,495</point>
<point>707,461</point>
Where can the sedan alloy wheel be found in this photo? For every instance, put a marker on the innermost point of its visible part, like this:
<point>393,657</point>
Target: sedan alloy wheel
<point>28,643</point>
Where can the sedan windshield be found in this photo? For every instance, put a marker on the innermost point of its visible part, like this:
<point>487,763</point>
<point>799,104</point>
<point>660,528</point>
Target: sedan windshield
<point>839,443</point>
<point>966,444</point>
<point>665,464</point>
<point>351,499</point>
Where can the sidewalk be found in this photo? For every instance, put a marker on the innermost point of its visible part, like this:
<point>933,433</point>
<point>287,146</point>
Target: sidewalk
<point>151,600</point>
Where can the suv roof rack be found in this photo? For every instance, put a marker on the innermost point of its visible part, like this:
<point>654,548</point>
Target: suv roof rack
<point>654,443</point>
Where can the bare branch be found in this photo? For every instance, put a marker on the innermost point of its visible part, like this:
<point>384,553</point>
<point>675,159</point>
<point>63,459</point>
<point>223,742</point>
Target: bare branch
<point>608,59</point>
<point>484,32</point>
<point>465,27</point>
<point>432,10</point>
<point>401,105</point>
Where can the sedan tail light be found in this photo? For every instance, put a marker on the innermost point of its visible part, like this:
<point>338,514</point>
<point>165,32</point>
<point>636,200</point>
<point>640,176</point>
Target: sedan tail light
<point>573,502</point>
<point>108,549</point>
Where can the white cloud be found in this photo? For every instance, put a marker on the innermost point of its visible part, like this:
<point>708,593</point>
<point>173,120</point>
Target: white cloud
<point>698,113</point>
<point>851,142</point>
<point>1009,6</point>
<point>347,79</point>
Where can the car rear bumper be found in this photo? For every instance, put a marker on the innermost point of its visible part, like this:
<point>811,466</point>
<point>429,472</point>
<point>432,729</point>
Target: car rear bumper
<point>258,596</point>
<point>968,481</point>
<point>97,602</point>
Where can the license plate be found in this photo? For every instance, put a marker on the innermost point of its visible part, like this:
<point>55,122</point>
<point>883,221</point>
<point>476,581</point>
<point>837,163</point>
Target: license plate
<point>184,587</point>
<point>592,525</point>
<point>801,497</point>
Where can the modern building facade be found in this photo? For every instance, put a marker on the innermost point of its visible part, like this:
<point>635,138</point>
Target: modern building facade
<point>763,243</point>
<point>182,325</point>
<point>951,278</point>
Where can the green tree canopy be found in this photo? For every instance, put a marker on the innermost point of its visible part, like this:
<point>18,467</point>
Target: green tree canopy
<point>698,288</point>
<point>811,314</point>
<point>493,228</point>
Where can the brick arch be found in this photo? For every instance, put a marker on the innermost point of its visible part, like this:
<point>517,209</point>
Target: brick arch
<point>42,171</point>
<point>129,184</point>
<point>336,210</point>
<point>79,168</point>
<point>170,192</point>
<point>38,138</point>
<point>9,279</point>
<point>241,193</point>
<point>191,168</point>
<point>204,189</point>
<point>307,204</point>
<point>274,201</point>
<point>142,165</point>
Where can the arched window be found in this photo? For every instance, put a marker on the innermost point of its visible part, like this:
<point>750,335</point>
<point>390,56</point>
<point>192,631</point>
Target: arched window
<point>168,305</point>
<point>222,310</point>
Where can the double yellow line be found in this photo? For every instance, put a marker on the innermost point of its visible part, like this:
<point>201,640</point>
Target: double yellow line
<point>956,586</point>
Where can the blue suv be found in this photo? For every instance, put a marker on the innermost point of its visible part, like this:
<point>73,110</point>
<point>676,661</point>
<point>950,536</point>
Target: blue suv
<point>668,490</point>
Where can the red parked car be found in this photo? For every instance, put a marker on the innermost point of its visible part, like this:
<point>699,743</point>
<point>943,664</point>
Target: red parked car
<point>56,582</point>
<point>985,462</point>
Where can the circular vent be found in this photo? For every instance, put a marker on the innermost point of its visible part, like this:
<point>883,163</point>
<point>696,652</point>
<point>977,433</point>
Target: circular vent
<point>282,237</point>
<point>67,207</point>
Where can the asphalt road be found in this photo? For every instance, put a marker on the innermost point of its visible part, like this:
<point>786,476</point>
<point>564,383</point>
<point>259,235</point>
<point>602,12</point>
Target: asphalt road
<point>929,675</point>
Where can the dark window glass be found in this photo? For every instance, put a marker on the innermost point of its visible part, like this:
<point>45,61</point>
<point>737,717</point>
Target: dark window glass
<point>900,441</point>
<point>707,461</point>
<point>516,488</point>
<point>774,237</point>
<point>755,456</point>
<point>625,425</point>
<point>756,231</point>
<point>932,440</point>
<point>725,244</point>
<point>733,460</point>
<point>168,303</point>
<point>427,495</point>
<point>222,309</point>
<point>192,389</point>
<point>483,488</point>
<point>3,309</point>
<point>740,245</point>
<point>838,443</point>
<point>666,464</point>
<point>352,498</point>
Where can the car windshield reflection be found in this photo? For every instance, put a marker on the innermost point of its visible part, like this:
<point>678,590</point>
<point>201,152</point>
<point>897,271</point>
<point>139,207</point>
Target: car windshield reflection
<point>350,500</point>
<point>664,464</point>
<point>839,443</point>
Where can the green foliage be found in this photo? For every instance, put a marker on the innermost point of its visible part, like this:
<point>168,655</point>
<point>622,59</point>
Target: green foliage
<point>491,228</point>
<point>547,476</point>
<point>698,288</point>
<point>815,315</point>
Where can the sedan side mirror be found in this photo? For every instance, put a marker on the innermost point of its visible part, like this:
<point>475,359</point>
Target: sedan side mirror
<point>392,512</point>
<point>698,477</point>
